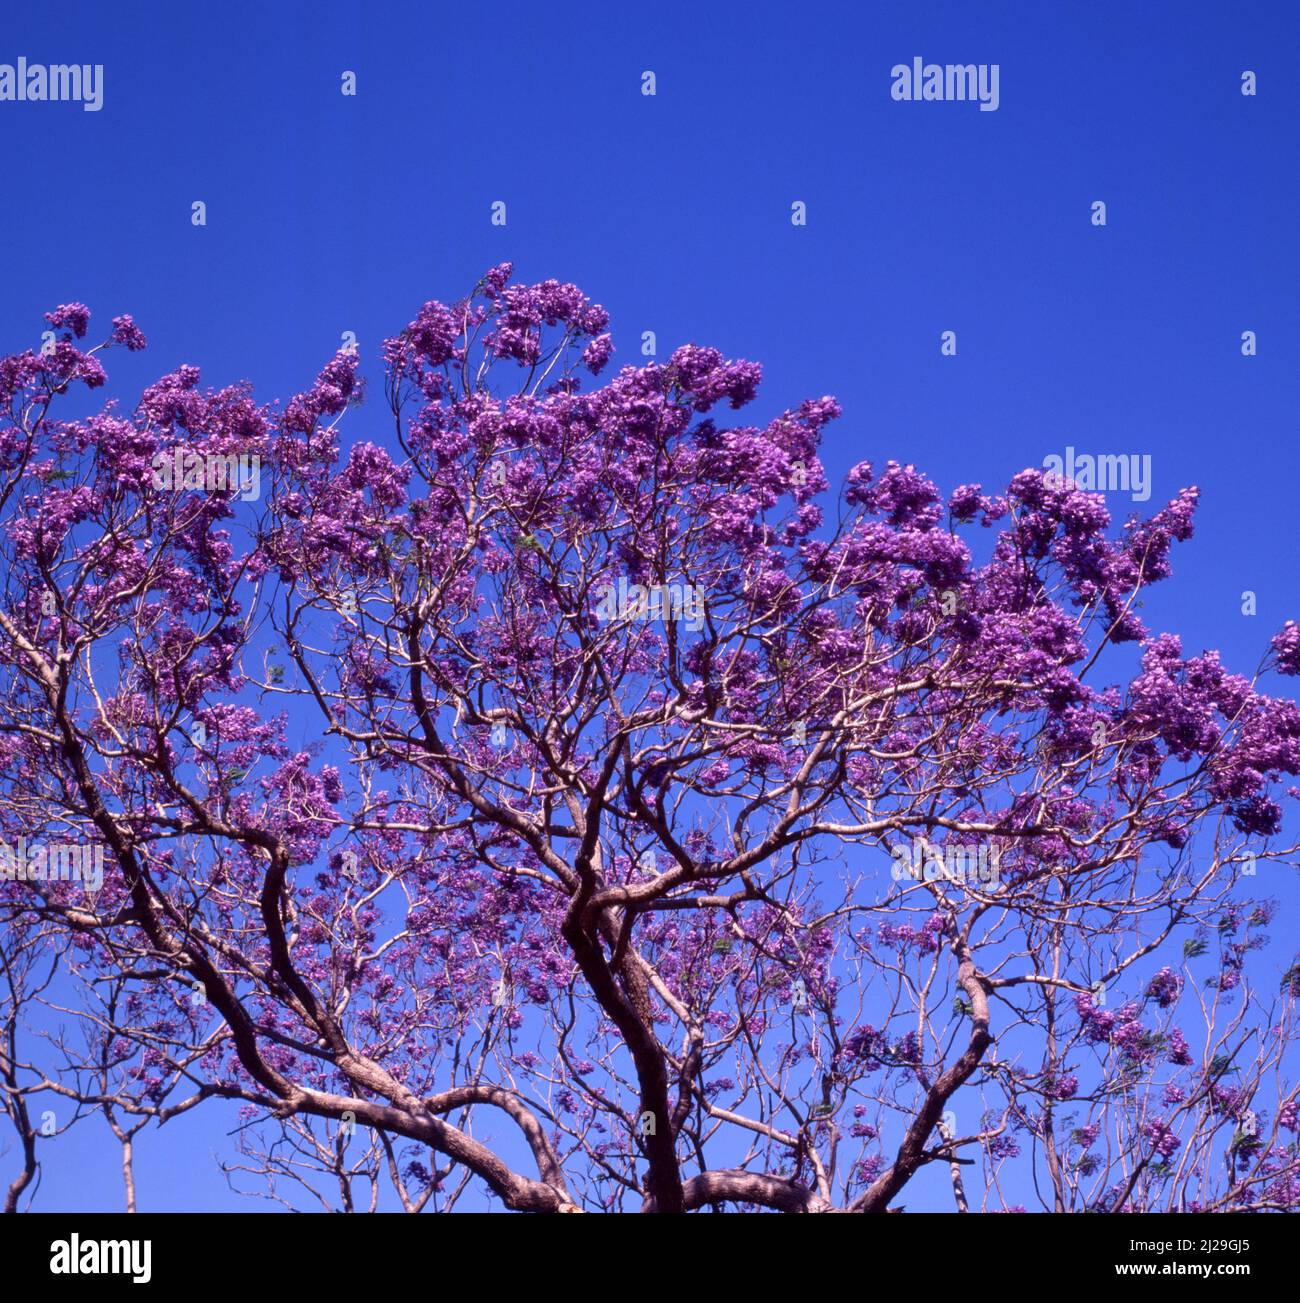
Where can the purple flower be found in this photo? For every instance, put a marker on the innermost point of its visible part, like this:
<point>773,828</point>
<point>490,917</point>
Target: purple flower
<point>1164,987</point>
<point>71,316</point>
<point>125,331</point>
<point>1286,648</point>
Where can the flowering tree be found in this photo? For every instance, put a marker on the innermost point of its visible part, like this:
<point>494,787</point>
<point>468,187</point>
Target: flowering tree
<point>555,801</point>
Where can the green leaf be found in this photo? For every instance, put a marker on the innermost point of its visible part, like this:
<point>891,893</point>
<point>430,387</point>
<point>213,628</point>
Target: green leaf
<point>1219,1065</point>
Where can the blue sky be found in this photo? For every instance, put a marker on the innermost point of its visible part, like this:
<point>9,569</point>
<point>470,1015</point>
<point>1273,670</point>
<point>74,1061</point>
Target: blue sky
<point>328,213</point>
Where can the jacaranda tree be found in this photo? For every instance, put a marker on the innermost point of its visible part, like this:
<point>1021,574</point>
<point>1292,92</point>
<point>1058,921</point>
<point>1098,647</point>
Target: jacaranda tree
<point>566,797</point>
